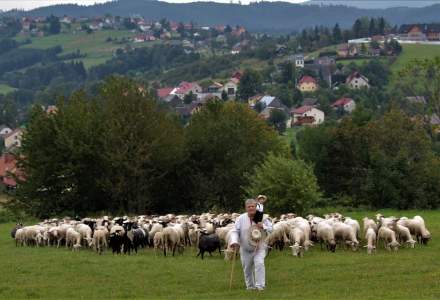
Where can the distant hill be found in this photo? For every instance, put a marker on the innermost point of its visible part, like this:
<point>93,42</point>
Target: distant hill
<point>374,4</point>
<point>263,16</point>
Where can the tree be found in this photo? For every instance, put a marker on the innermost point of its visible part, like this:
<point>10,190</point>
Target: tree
<point>189,98</point>
<point>225,140</point>
<point>290,185</point>
<point>337,35</point>
<point>224,95</point>
<point>117,152</point>
<point>54,24</point>
<point>278,119</point>
<point>357,28</point>
<point>250,84</point>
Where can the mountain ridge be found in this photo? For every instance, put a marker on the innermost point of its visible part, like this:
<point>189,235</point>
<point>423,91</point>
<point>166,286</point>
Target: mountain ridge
<point>263,16</point>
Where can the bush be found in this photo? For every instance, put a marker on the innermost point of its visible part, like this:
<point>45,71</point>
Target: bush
<point>290,185</point>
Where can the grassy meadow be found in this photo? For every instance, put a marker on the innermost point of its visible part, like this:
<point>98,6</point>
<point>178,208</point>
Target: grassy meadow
<point>94,44</point>
<point>51,273</point>
<point>415,51</point>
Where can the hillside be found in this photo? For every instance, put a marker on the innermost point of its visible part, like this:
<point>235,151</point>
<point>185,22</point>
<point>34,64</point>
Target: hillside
<point>263,16</point>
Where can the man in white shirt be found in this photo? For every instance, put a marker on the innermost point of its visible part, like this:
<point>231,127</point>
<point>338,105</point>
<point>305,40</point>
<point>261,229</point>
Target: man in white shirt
<point>252,257</point>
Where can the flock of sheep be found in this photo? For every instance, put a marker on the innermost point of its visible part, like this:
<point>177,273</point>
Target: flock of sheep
<point>209,233</point>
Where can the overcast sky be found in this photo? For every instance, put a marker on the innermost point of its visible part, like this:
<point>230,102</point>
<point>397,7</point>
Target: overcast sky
<point>28,4</point>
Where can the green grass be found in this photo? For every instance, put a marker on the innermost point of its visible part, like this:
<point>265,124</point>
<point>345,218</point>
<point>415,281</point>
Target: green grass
<point>415,51</point>
<point>94,44</point>
<point>51,273</point>
<point>5,89</point>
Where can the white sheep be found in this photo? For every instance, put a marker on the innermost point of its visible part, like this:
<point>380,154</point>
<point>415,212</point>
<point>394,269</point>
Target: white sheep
<point>355,225</point>
<point>417,227</point>
<point>100,239</point>
<point>73,239</point>
<point>171,240</point>
<point>370,236</point>
<point>389,238</point>
<point>369,223</point>
<point>298,238</point>
<point>86,234</point>
<point>20,237</point>
<point>325,234</point>
<point>346,234</point>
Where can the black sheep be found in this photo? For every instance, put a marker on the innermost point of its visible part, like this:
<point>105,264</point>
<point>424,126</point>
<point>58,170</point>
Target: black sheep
<point>14,230</point>
<point>208,243</point>
<point>116,242</point>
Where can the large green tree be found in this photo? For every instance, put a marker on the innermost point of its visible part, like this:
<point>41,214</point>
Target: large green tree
<point>226,140</point>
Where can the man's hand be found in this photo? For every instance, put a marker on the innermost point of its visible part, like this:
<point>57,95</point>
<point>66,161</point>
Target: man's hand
<point>260,225</point>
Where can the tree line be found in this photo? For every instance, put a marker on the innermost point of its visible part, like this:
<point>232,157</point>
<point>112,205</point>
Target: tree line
<point>121,152</point>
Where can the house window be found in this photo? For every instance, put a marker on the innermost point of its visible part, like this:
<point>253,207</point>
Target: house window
<point>231,91</point>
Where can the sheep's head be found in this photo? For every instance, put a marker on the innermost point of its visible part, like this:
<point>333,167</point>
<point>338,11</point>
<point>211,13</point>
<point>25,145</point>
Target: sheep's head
<point>353,244</point>
<point>297,250</point>
<point>76,247</point>
<point>411,243</point>
<point>370,249</point>
<point>394,245</point>
<point>332,245</point>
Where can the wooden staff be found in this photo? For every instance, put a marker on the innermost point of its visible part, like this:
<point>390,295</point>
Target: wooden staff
<point>232,270</point>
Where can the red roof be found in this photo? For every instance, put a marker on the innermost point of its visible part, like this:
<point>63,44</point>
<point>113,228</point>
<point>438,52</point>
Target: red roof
<point>302,109</point>
<point>164,92</point>
<point>237,75</point>
<point>307,79</point>
<point>7,165</point>
<point>184,87</point>
<point>342,102</point>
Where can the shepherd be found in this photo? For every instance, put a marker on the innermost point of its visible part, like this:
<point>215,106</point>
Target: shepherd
<point>249,236</point>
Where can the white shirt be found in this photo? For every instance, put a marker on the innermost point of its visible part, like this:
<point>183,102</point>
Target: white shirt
<point>260,207</point>
<point>240,233</point>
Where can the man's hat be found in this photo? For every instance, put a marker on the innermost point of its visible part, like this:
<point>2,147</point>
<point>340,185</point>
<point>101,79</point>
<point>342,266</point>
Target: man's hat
<point>261,196</point>
<point>256,235</point>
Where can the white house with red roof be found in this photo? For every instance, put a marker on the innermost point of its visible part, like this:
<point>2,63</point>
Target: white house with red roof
<point>345,104</point>
<point>357,81</point>
<point>13,139</point>
<point>307,114</point>
<point>184,88</point>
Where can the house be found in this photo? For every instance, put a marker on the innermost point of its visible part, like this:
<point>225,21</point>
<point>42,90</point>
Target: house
<point>163,93</point>
<point>269,104</point>
<point>215,87</point>
<point>51,109</point>
<point>236,49</point>
<point>344,104</point>
<point>185,88</point>
<point>419,32</point>
<point>299,60</point>
<point>4,130</point>
<point>324,61</point>
<point>357,81</point>
<point>305,113</point>
<point>13,139</point>
<point>231,87</point>
<point>307,84</point>
<point>237,75</point>
<point>343,50</point>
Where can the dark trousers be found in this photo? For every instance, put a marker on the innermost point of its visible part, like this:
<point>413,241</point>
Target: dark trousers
<point>258,217</point>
